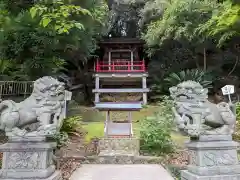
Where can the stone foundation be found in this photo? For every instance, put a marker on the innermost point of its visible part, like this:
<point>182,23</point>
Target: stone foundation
<point>119,146</point>
<point>28,160</point>
<point>186,175</point>
<point>212,158</point>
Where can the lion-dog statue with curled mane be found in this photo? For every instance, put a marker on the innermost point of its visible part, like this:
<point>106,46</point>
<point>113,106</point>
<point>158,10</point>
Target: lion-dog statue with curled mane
<point>196,116</point>
<point>45,106</point>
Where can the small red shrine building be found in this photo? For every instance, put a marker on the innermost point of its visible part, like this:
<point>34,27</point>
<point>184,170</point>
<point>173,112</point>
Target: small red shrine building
<point>121,55</point>
<point>121,66</point>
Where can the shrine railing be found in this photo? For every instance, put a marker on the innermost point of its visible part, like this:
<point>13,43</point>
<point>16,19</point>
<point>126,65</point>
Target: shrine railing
<point>120,66</point>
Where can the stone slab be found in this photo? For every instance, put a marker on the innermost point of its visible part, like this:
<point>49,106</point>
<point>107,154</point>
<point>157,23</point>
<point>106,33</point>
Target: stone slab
<point>25,138</point>
<point>121,172</point>
<point>55,176</point>
<point>116,153</point>
<point>215,138</point>
<point>186,175</point>
<point>217,145</point>
<point>117,159</point>
<point>116,145</point>
<point>209,171</point>
<point>27,173</point>
<point>26,146</point>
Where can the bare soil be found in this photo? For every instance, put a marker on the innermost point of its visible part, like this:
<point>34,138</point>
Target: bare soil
<point>75,147</point>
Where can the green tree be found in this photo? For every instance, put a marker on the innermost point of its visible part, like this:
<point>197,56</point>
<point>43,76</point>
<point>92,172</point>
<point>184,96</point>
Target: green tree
<point>43,37</point>
<point>224,23</point>
<point>225,28</point>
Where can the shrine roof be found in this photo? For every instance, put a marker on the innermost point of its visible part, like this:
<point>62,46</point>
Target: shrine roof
<point>111,41</point>
<point>118,106</point>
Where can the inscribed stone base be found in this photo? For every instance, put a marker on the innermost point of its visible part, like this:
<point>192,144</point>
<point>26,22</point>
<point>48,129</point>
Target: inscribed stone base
<point>119,146</point>
<point>186,175</point>
<point>55,176</point>
<point>28,160</point>
<point>212,157</point>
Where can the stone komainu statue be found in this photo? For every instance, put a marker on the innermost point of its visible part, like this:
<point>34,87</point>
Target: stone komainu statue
<point>45,105</point>
<point>195,115</point>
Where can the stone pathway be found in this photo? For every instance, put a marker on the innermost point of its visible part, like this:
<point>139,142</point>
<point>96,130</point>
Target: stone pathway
<point>121,172</point>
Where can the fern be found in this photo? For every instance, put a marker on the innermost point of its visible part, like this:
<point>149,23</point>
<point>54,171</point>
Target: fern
<point>194,74</point>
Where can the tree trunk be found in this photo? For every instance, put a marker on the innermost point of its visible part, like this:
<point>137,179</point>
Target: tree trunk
<point>204,60</point>
<point>234,67</point>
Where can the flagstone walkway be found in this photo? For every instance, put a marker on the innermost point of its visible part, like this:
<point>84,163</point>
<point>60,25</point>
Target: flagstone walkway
<point>121,172</point>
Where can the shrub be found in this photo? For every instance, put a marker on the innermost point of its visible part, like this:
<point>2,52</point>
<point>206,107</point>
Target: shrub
<point>61,139</point>
<point>70,125</point>
<point>238,111</point>
<point>236,135</point>
<point>155,131</point>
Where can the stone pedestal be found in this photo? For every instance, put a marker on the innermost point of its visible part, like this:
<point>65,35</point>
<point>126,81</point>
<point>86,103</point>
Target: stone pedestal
<point>28,159</point>
<point>212,157</point>
<point>118,150</point>
<point>119,146</point>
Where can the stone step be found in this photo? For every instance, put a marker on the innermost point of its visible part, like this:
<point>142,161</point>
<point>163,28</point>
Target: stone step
<point>121,172</point>
<point>125,145</point>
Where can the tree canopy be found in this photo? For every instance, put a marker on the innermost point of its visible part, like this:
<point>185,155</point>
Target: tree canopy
<point>48,36</point>
<point>41,37</point>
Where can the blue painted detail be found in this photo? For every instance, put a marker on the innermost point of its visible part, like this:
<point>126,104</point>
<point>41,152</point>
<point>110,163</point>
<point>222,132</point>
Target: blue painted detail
<point>118,106</point>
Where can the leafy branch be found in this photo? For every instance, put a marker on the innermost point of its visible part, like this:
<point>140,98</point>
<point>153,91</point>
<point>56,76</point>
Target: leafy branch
<point>59,15</point>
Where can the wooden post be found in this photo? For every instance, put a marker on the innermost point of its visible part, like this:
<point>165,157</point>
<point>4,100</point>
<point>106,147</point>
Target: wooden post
<point>131,60</point>
<point>130,121</point>
<point>144,86</point>
<point>109,60</point>
<point>97,88</point>
<point>106,123</point>
<point>97,65</point>
<point>143,65</point>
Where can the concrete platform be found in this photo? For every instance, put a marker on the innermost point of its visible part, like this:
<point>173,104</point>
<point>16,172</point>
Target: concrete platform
<point>121,172</point>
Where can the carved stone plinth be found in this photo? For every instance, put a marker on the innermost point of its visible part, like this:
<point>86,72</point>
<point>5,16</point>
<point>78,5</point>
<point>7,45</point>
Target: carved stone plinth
<point>28,160</point>
<point>119,146</point>
<point>212,157</point>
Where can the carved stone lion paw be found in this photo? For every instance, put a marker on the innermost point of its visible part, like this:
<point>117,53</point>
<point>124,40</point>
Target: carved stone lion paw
<point>47,130</point>
<point>17,132</point>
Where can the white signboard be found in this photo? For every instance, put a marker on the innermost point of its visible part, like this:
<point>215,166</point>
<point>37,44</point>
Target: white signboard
<point>68,95</point>
<point>228,89</point>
